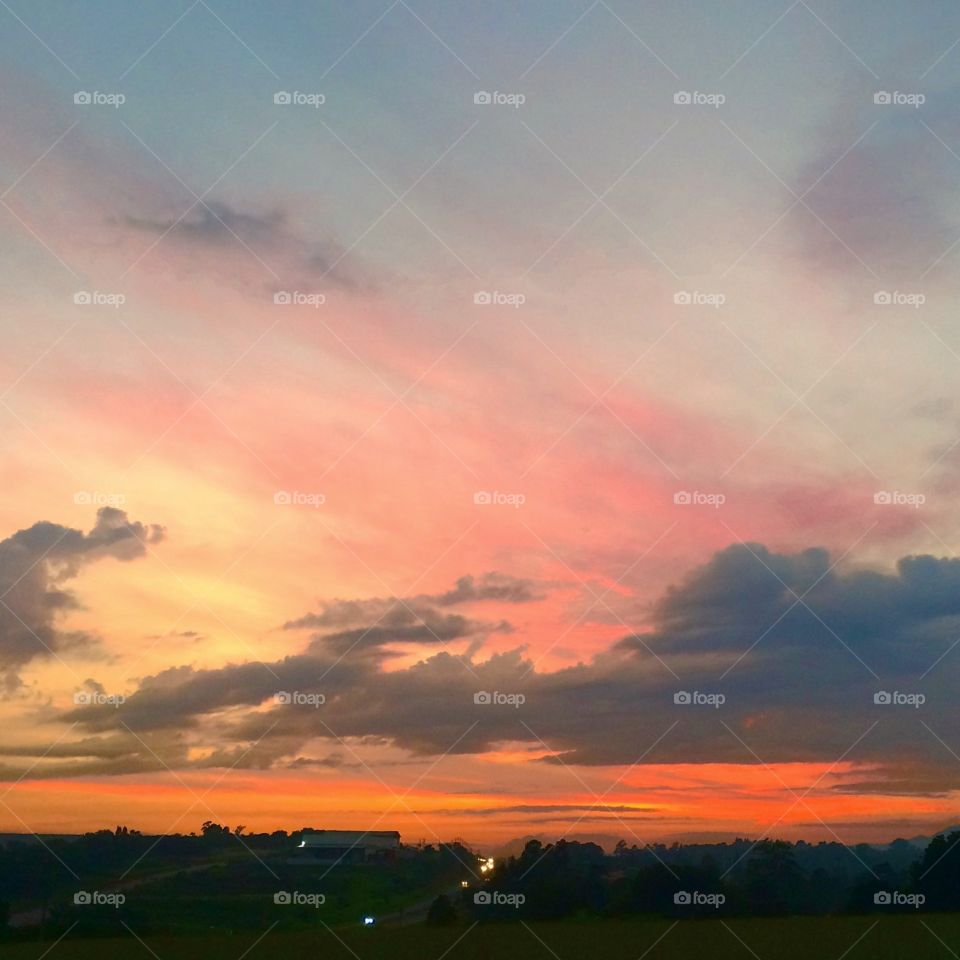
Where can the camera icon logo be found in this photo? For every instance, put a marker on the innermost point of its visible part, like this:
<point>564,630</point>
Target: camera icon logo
<point>482,298</point>
<point>282,498</point>
<point>82,98</point>
<point>882,497</point>
<point>682,697</point>
<point>82,298</point>
<point>83,697</point>
<point>682,97</point>
<point>282,297</point>
<point>682,298</point>
<point>282,897</point>
<point>682,497</point>
<point>282,98</point>
<point>882,899</point>
<point>482,98</point>
<point>882,697</point>
<point>482,497</point>
<point>681,898</point>
<point>282,697</point>
<point>881,96</point>
<point>482,697</point>
<point>482,897</point>
<point>81,898</point>
<point>883,298</point>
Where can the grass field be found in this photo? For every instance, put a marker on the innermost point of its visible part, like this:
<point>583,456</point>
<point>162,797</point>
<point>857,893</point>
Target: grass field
<point>935,936</point>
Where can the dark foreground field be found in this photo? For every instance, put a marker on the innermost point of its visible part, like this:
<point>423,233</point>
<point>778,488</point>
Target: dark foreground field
<point>936,936</point>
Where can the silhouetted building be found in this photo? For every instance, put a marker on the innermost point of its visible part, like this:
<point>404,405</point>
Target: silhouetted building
<point>347,847</point>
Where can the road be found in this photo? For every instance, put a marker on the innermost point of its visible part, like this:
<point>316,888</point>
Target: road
<point>417,912</point>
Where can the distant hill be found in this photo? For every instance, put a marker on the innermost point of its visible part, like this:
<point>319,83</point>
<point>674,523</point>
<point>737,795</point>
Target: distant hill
<point>922,841</point>
<point>8,838</point>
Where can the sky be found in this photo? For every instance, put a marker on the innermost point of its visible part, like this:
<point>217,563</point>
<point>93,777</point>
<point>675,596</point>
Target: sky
<point>480,420</point>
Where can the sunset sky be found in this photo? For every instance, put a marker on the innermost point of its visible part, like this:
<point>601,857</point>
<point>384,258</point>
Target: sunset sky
<point>582,353</point>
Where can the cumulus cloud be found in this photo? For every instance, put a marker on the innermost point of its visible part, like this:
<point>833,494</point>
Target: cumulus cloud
<point>35,565</point>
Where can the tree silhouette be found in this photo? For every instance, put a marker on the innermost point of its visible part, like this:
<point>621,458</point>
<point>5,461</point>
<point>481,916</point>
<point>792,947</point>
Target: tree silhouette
<point>937,875</point>
<point>773,879</point>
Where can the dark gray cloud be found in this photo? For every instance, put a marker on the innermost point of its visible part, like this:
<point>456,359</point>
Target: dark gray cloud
<point>423,626</point>
<point>177,698</point>
<point>798,677</point>
<point>218,227</point>
<point>116,753</point>
<point>212,222</point>
<point>346,626</point>
<point>401,611</point>
<point>491,586</point>
<point>35,565</point>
